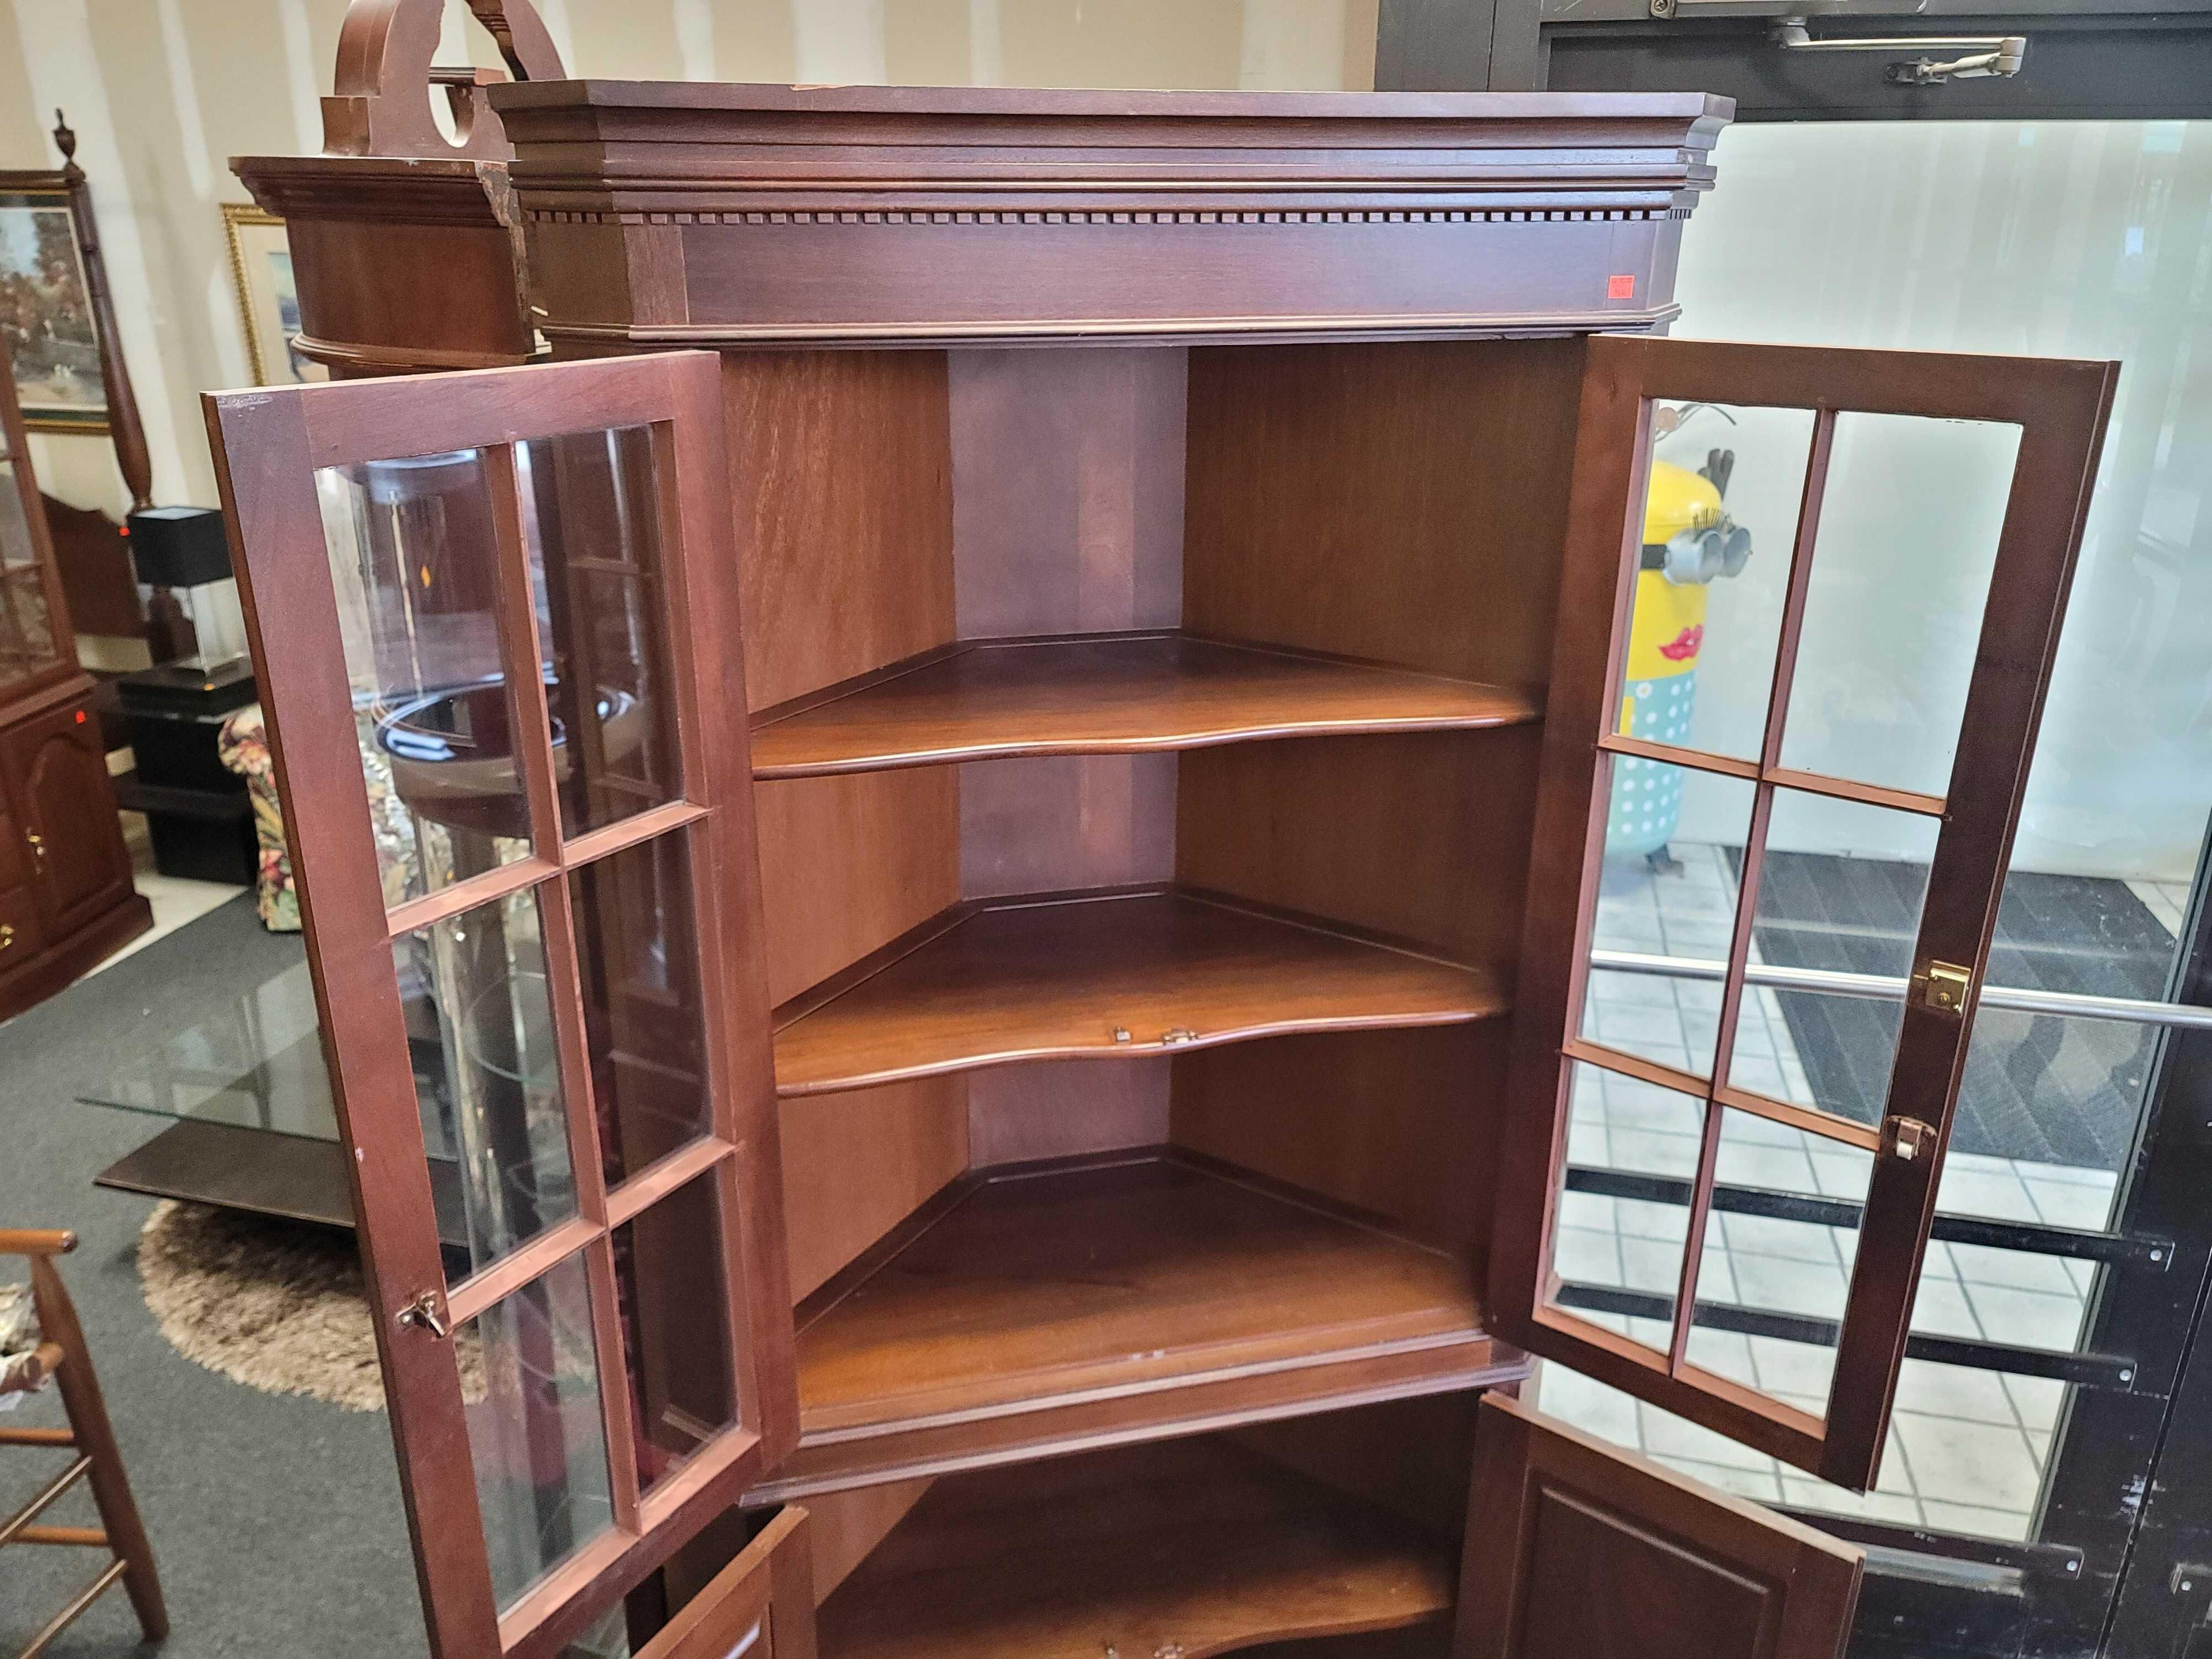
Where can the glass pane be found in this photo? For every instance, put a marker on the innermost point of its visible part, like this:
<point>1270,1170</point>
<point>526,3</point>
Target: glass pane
<point>2047,1116</point>
<point>608,1639</point>
<point>643,1019</point>
<point>1840,890</point>
<point>1901,563</point>
<point>1624,1213</point>
<point>1674,844</point>
<point>487,1073</point>
<point>530,1380</point>
<point>1775,1274</point>
<point>26,632</point>
<point>592,521</point>
<point>415,565</point>
<point>676,1327</point>
<point>1720,516</point>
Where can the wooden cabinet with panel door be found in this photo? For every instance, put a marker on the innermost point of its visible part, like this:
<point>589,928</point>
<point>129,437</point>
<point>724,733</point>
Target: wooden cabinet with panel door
<point>1009,858</point>
<point>66,898</point>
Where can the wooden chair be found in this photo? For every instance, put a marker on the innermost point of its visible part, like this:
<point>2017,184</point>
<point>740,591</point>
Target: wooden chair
<point>62,1355</point>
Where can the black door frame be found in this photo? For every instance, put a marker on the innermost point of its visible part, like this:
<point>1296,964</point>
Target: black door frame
<point>2084,61</point>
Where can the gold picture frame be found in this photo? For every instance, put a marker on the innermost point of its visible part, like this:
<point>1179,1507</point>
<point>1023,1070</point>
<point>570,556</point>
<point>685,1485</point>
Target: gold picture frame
<point>268,304</point>
<point>46,328</point>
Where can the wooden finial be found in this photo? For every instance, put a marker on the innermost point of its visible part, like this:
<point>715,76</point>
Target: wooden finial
<point>65,141</point>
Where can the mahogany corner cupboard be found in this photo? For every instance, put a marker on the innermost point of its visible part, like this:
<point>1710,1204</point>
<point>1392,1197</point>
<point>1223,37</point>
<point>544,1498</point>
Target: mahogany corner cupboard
<point>982,828</point>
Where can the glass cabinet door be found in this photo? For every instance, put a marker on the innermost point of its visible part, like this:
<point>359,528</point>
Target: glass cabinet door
<point>1645,1071</point>
<point>34,636</point>
<point>495,624</point>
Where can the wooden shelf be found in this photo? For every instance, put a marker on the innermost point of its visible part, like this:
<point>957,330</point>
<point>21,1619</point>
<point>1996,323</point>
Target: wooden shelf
<point>1106,694</point>
<point>1194,1546</point>
<point>1104,974</point>
<point>1111,1298</point>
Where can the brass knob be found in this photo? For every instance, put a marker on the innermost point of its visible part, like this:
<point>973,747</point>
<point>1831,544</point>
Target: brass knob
<point>38,843</point>
<point>7,935</point>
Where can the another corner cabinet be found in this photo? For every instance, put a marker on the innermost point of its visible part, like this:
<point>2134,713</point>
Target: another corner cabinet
<point>66,896</point>
<point>991,882</point>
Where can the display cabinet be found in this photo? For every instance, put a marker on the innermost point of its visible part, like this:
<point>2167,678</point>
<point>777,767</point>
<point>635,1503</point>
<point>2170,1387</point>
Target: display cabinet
<point>66,898</point>
<point>997,876</point>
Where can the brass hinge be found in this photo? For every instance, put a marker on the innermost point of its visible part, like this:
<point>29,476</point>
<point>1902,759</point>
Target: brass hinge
<point>1943,985</point>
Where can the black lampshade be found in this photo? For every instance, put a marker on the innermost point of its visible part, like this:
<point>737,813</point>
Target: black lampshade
<point>178,546</point>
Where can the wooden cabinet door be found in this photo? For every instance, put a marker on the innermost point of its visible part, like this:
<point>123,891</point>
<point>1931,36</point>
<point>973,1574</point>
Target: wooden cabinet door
<point>759,1607</point>
<point>1864,742</point>
<point>494,619</point>
<point>58,774</point>
<point>1577,1551</point>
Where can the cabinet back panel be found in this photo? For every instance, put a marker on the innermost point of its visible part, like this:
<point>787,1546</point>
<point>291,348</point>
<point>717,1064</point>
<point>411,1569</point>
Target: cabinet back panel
<point>1409,1456</point>
<point>1403,502</point>
<point>1423,835</point>
<point>857,1164</point>
<point>1404,1123</point>
<point>1056,822</point>
<point>1067,478</point>
<point>1064,1108</point>
<point>841,468</point>
<point>850,862</point>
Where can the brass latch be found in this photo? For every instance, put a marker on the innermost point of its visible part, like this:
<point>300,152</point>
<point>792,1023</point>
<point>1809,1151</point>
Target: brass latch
<point>1943,985</point>
<point>1907,1139</point>
<point>424,1313</point>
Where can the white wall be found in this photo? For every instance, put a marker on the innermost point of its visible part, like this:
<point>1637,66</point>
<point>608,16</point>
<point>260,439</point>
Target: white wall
<point>162,93</point>
<point>2067,239</point>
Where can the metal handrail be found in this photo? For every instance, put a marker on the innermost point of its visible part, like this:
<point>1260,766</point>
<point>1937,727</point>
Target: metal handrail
<point>2130,1011</point>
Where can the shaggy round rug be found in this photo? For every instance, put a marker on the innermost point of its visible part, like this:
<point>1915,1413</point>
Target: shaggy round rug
<point>273,1305</point>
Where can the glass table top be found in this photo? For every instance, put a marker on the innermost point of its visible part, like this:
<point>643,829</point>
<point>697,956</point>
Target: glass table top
<point>257,1063</point>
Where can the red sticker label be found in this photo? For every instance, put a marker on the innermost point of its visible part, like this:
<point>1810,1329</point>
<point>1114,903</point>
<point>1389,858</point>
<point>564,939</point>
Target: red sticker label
<point>1620,288</point>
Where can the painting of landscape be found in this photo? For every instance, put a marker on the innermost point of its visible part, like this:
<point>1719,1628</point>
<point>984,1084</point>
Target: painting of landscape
<point>46,315</point>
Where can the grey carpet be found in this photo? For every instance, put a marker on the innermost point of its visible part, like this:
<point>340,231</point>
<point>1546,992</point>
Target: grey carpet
<point>277,1522</point>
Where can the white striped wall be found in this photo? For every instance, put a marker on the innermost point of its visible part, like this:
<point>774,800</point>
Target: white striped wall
<point>163,92</point>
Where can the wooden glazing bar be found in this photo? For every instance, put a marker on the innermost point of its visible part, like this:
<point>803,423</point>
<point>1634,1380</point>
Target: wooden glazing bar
<point>485,887</point>
<point>1743,1414</point>
<point>1708,1142</point>
<point>678,1170</point>
<point>523,653</point>
<point>615,1407</point>
<point>1811,1119</point>
<point>629,832</point>
<point>1799,584</point>
<point>1635,1065</point>
<point>1695,760</point>
<point>1867,794</point>
<point>560,1587</point>
<point>480,1289</point>
<point>564,991</point>
<point>674,598</point>
<point>709,1464</point>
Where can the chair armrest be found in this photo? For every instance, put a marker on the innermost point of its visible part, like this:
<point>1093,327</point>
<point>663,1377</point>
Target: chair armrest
<point>36,1241</point>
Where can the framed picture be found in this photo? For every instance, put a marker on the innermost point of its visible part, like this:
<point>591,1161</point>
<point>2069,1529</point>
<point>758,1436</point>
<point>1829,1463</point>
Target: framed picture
<point>268,303</point>
<point>46,308</point>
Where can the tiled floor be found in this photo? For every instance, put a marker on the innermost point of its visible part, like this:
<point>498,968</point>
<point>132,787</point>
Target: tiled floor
<point>1968,1448</point>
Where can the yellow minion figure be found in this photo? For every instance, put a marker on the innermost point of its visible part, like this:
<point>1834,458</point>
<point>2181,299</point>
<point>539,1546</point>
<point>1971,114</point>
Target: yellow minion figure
<point>1688,540</point>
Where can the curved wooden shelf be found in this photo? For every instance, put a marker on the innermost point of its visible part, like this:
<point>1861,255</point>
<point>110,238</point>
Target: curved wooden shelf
<point>1129,1276</point>
<point>1193,1546</point>
<point>1107,694</point>
<point>1098,974</point>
